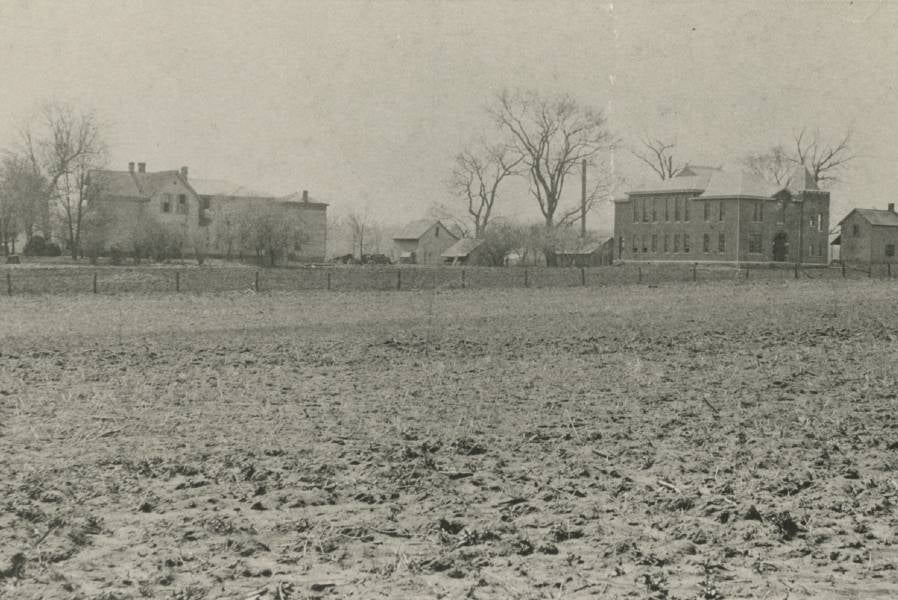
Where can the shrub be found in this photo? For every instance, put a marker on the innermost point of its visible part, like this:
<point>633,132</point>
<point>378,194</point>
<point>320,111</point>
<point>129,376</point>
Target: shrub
<point>116,255</point>
<point>36,246</point>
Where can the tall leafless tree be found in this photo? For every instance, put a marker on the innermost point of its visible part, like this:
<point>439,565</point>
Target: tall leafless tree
<point>825,160</point>
<point>476,178</point>
<point>360,225</point>
<point>775,165</point>
<point>552,136</point>
<point>63,146</point>
<point>658,156</point>
<point>23,196</point>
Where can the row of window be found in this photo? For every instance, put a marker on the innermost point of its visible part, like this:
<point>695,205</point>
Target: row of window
<point>181,208</point>
<point>669,244</point>
<point>650,210</point>
<point>650,244</point>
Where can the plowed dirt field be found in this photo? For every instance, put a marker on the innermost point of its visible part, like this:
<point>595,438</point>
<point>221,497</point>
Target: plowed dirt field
<point>732,440</point>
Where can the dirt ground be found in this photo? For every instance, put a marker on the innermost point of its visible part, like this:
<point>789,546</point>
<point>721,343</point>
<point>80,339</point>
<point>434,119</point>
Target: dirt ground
<point>731,440</point>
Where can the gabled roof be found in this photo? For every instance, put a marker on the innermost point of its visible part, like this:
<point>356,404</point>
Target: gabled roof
<point>741,184</point>
<point>416,229</point>
<point>583,247</point>
<point>710,182</point>
<point>130,184</point>
<point>221,187</point>
<point>462,248</point>
<point>875,216</point>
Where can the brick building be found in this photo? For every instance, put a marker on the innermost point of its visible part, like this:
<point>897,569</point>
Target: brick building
<point>197,207</point>
<point>868,236</point>
<point>711,215</point>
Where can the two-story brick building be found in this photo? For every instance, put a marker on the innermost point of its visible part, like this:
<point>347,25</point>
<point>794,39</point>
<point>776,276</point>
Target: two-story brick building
<point>710,215</point>
<point>197,207</point>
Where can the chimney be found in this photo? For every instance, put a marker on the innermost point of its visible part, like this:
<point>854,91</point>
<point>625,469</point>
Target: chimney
<point>141,167</point>
<point>305,195</point>
<point>130,167</point>
<point>891,207</point>
<point>184,172</point>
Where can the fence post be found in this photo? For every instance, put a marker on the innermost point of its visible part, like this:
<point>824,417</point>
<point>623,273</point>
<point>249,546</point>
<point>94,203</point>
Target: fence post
<point>328,280</point>
<point>889,269</point>
<point>177,281</point>
<point>746,271</point>
<point>796,270</point>
<point>9,284</point>
<point>694,271</point>
<point>462,279</point>
<point>639,274</point>
<point>256,283</point>
<point>843,269</point>
<point>526,278</point>
<point>398,279</point>
<point>582,276</point>
<point>95,283</point>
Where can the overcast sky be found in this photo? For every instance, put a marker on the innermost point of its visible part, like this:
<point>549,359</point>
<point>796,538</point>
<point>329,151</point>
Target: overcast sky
<point>365,103</point>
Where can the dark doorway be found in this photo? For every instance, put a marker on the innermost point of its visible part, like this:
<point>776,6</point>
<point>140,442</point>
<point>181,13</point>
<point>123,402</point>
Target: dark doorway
<point>780,247</point>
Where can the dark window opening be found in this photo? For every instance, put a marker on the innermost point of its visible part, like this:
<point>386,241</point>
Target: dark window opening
<point>706,243</point>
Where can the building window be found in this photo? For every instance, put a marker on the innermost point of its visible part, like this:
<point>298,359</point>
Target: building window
<point>685,209</point>
<point>635,212</point>
<point>654,210</point>
<point>676,208</point>
<point>890,249</point>
<point>667,209</point>
<point>820,222</point>
<point>635,244</point>
<point>812,222</point>
<point>707,210</point>
<point>754,243</point>
<point>436,232</point>
<point>722,209</point>
<point>645,244</point>
<point>706,243</point>
<point>855,230</point>
<point>666,243</point>
<point>182,204</point>
<point>758,214</point>
<point>676,242</point>
<point>654,244</point>
<point>721,243</point>
<point>645,210</point>
<point>781,212</point>
<point>686,243</point>
<point>166,203</point>
<point>822,249</point>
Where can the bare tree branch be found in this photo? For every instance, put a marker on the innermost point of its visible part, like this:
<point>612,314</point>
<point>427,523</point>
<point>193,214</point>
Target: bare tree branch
<point>657,155</point>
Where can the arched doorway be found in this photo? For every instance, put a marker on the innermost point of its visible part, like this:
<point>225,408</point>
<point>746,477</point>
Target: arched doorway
<point>780,247</point>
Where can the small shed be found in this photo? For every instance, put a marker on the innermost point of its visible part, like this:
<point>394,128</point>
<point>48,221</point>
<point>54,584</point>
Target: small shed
<point>587,254</point>
<point>868,236</point>
<point>465,251</point>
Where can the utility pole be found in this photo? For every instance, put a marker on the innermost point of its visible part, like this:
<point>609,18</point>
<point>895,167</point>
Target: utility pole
<point>583,200</point>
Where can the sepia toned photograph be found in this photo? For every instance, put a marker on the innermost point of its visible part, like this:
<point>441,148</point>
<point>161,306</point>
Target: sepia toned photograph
<point>448,299</point>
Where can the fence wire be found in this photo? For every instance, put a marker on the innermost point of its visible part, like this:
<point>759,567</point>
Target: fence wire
<point>21,280</point>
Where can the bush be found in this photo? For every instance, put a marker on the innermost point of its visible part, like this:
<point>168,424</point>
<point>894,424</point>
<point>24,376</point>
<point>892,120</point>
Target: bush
<point>116,255</point>
<point>36,246</point>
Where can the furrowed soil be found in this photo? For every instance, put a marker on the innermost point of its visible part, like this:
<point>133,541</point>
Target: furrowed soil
<point>731,440</point>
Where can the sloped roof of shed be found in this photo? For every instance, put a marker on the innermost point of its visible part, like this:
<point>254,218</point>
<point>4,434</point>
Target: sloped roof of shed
<point>875,216</point>
<point>462,248</point>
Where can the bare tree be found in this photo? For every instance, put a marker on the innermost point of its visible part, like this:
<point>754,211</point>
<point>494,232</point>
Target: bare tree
<point>552,135</point>
<point>359,224</point>
<point>23,200</point>
<point>774,165</point>
<point>456,219</point>
<point>476,178</point>
<point>63,147</point>
<point>271,231</point>
<point>824,160</point>
<point>658,155</point>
